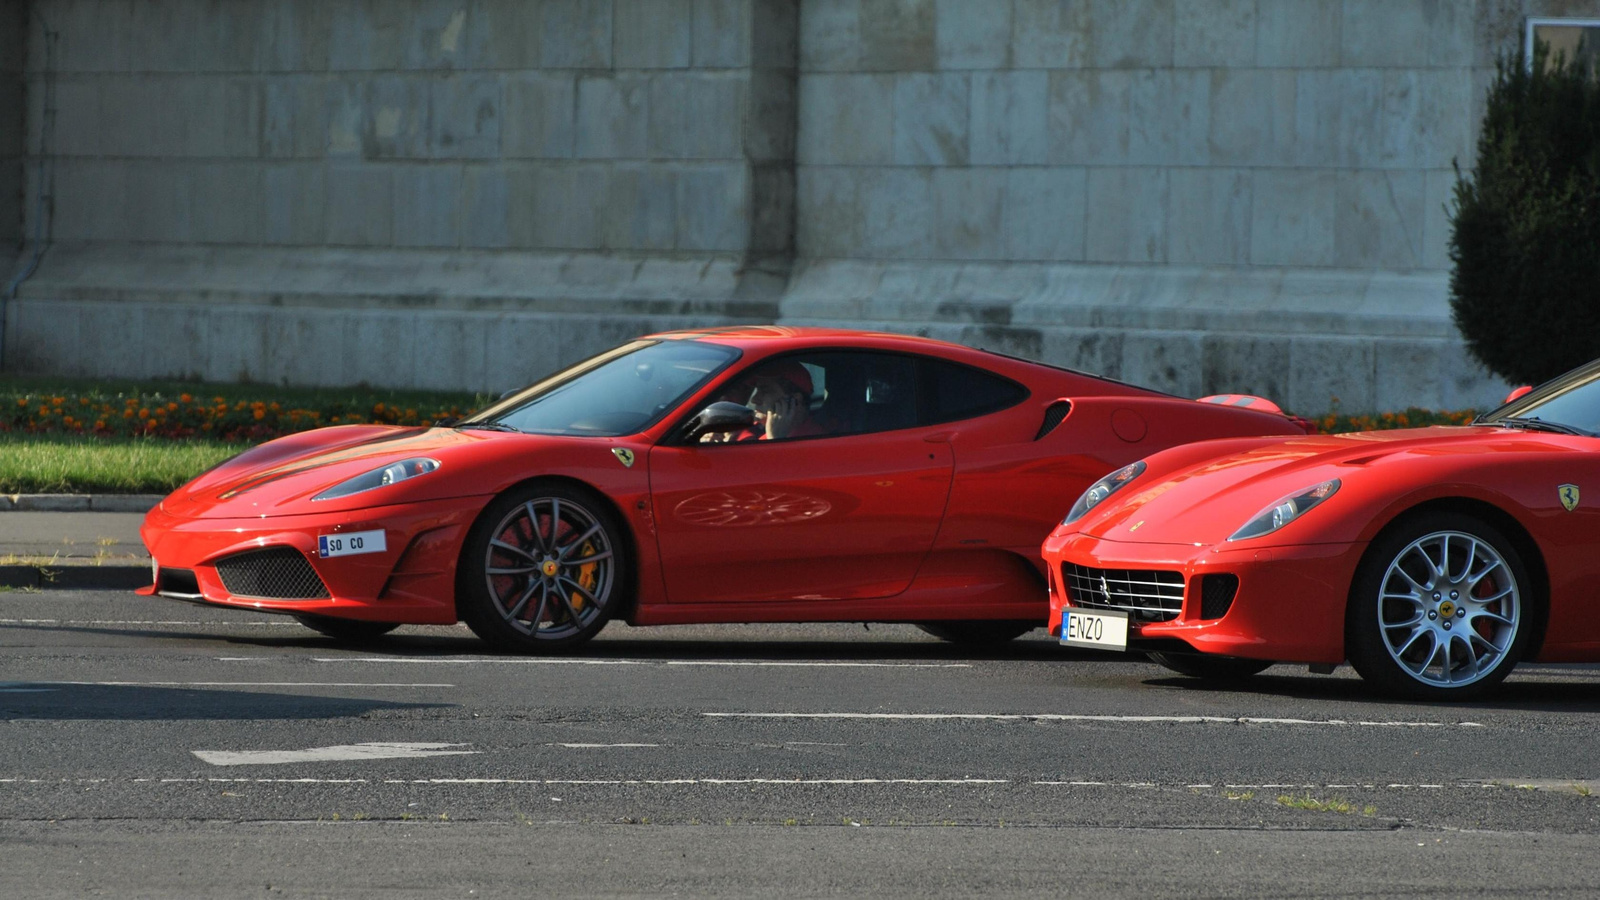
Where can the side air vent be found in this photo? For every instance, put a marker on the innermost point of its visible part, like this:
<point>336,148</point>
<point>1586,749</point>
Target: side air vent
<point>277,573</point>
<point>1053,416</point>
<point>1216,595</point>
<point>178,583</point>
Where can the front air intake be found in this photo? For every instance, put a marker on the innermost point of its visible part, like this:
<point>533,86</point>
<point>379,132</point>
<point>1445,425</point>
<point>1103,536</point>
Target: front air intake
<point>1216,595</point>
<point>276,573</point>
<point>1146,595</point>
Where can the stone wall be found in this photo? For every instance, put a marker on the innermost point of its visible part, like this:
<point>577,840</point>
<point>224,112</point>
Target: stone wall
<point>13,22</point>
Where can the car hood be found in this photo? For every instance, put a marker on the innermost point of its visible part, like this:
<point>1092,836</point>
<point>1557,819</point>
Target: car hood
<point>280,477</point>
<point>1204,503</point>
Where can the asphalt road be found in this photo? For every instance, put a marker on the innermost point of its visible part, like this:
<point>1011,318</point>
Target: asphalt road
<point>149,748</point>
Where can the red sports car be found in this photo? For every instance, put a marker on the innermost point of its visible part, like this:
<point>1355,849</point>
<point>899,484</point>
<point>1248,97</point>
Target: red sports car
<point>1432,559</point>
<point>752,474</point>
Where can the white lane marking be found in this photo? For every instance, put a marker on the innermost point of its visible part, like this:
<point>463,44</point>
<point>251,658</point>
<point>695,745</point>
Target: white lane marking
<point>339,753</point>
<point>361,684</point>
<point>8,689</point>
<point>146,622</point>
<point>600,746</point>
<point>1068,717</point>
<point>525,661</point>
<point>820,665</point>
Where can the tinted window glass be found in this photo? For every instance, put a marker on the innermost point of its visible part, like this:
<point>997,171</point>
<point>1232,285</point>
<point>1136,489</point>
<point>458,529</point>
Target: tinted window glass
<point>952,391</point>
<point>825,394</point>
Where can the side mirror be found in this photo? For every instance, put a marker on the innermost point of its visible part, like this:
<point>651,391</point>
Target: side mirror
<point>721,417</point>
<point>1516,393</point>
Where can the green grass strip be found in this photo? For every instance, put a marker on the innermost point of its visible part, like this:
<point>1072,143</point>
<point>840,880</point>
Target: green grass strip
<point>31,464</point>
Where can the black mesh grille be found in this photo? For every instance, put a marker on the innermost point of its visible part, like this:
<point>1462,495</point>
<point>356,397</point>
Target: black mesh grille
<point>1148,595</point>
<point>1216,595</point>
<point>1053,416</point>
<point>278,573</point>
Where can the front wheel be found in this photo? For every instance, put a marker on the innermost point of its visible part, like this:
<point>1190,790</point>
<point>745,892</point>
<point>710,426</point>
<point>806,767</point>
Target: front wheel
<point>351,631</point>
<point>543,569</point>
<point>1211,668</point>
<point>1439,609</point>
<point>978,633</point>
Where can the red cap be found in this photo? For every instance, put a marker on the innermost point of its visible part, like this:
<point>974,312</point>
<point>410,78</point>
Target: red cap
<point>795,374</point>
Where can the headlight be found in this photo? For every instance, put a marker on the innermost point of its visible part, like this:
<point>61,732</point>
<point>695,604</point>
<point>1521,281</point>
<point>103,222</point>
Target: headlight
<point>1286,510</point>
<point>1102,489</point>
<point>394,473</point>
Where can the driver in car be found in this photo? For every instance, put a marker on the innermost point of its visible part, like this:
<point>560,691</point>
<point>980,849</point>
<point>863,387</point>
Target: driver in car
<point>780,394</point>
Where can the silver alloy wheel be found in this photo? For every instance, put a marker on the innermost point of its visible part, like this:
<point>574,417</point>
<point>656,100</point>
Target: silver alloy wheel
<point>1449,609</point>
<point>550,568</point>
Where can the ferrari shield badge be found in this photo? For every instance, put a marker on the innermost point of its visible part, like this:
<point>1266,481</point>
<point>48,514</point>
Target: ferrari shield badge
<point>625,456</point>
<point>1569,496</point>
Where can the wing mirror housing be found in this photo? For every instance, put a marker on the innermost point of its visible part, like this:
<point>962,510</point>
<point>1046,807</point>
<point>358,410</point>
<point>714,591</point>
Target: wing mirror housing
<point>722,417</point>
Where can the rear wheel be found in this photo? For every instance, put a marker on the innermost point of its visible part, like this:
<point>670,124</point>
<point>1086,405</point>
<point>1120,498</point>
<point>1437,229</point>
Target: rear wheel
<point>544,568</point>
<point>1211,668</point>
<point>1439,610</point>
<point>353,631</point>
<point>977,633</point>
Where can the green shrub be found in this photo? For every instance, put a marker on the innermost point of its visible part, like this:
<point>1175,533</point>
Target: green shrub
<point>1526,226</point>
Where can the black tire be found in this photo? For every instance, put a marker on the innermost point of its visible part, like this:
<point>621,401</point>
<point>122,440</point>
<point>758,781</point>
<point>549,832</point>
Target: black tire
<point>351,631</point>
<point>977,633</point>
<point>1487,609</point>
<point>1211,668</point>
<point>541,587</point>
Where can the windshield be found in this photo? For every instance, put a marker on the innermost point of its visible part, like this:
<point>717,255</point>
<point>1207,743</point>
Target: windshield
<point>1572,400</point>
<point>621,391</point>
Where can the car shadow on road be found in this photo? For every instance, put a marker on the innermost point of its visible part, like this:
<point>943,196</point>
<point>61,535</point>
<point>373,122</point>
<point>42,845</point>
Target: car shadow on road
<point>63,701</point>
<point>1530,688</point>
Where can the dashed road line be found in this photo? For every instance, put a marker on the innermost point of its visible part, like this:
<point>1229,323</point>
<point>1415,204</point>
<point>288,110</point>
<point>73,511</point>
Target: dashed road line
<point>338,753</point>
<point>567,661</point>
<point>23,686</point>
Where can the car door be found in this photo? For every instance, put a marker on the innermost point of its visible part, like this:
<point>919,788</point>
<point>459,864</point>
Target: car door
<point>845,512</point>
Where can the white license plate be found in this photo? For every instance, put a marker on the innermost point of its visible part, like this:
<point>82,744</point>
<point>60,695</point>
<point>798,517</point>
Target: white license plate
<point>350,543</point>
<point>1101,629</point>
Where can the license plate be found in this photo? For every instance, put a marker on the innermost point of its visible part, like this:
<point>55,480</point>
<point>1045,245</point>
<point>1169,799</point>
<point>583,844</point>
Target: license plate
<point>1101,629</point>
<point>350,543</point>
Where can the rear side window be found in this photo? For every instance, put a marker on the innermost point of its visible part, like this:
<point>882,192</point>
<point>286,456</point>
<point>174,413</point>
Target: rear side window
<point>951,391</point>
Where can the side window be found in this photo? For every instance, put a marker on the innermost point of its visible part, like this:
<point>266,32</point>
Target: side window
<point>952,391</point>
<point>826,393</point>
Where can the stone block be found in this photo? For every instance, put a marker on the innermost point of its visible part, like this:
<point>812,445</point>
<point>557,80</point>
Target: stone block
<point>775,34</point>
<point>294,36</point>
<point>240,134</point>
<point>899,35</point>
<point>80,129</point>
<point>1409,373</point>
<point>897,212</point>
<point>846,120</point>
<point>1209,217</point>
<point>1097,351</point>
<point>653,34</point>
<point>714,208</point>
<point>293,203</point>
<point>772,209</point>
<point>1127,215</point>
<point>396,117</point>
<point>1292,215</point>
<point>451,351</point>
<point>1252,118</point>
<point>1242,364</point>
<point>345,116</point>
<point>539,115</point>
<point>1169,361</point>
<point>11,204</point>
<point>359,207</point>
<point>236,345</point>
<point>465,122</point>
<point>640,208</point>
<point>1437,126</point>
<point>772,116</point>
<point>380,348</point>
<point>969,213</point>
<point>227,203</point>
<point>443,36</point>
<point>89,200</point>
<point>973,34</point>
<point>520,349</point>
<point>159,203</point>
<point>1326,372</point>
<point>1384,32</point>
<point>575,34</point>
<point>1379,220</point>
<point>112,339</point>
<point>1089,117</point>
<point>1438,200</point>
<point>1298,33</point>
<point>161,37</point>
<point>1010,118</point>
<point>294,115</point>
<point>309,347</point>
<point>1169,118</point>
<point>559,206</point>
<point>1133,34</point>
<point>830,36</point>
<point>696,116</point>
<point>182,332</point>
<point>613,119</point>
<point>829,223</point>
<point>101,37</point>
<point>51,503</point>
<point>722,30</point>
<point>510,33</point>
<point>368,36</point>
<point>42,336</point>
<point>1214,33</point>
<point>1045,213</point>
<point>931,119</point>
<point>1339,117</point>
<point>427,206</point>
<point>485,208</point>
<point>1452,35</point>
<point>1051,34</point>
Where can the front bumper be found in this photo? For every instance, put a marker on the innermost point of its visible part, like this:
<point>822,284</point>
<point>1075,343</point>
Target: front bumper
<point>412,581</point>
<point>1289,606</point>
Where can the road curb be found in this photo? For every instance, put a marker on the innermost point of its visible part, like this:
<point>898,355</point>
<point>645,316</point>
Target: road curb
<point>79,502</point>
<point>75,578</point>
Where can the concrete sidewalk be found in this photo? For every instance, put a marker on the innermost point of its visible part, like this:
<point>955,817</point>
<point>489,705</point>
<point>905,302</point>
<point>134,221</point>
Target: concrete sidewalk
<point>87,550</point>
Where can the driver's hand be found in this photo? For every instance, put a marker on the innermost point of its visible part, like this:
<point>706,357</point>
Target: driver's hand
<point>718,438</point>
<point>783,417</point>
